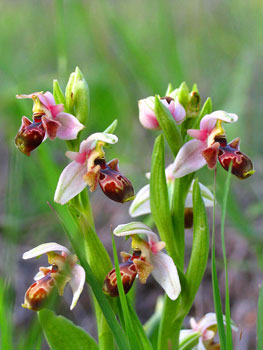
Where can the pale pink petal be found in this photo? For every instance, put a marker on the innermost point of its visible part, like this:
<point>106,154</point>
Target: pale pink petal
<point>176,109</point>
<point>184,333</point>
<point>135,228</point>
<point>141,203</point>
<point>22,96</point>
<point>70,126</point>
<point>189,158</point>
<point>206,194</point>
<point>90,142</point>
<point>147,115</point>
<point>47,99</point>
<point>44,248</point>
<point>198,134</point>
<point>208,121</point>
<point>70,182</point>
<point>165,273</point>
<point>77,157</point>
<point>56,109</point>
<point>77,282</point>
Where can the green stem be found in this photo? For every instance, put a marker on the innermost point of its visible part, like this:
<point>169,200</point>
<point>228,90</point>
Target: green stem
<point>97,257</point>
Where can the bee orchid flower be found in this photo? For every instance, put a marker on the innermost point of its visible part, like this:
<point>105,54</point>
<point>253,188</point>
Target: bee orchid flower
<point>88,167</point>
<point>204,149</point>
<point>147,258</point>
<point>141,203</point>
<point>63,269</point>
<point>207,328</point>
<point>147,115</point>
<point>49,120</point>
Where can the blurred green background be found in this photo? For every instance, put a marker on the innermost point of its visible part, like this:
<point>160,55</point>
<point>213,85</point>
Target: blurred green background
<point>127,50</point>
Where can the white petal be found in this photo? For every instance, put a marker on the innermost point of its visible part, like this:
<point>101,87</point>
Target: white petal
<point>209,120</point>
<point>141,203</point>
<point>189,158</point>
<point>70,182</point>
<point>45,248</point>
<point>77,283</point>
<point>165,273</point>
<point>207,196</point>
<point>135,228</point>
<point>184,333</point>
<point>90,142</point>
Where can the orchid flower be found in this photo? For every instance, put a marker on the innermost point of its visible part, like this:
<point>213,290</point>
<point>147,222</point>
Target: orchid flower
<point>207,328</point>
<point>63,269</point>
<point>204,149</point>
<point>147,258</point>
<point>88,167</point>
<point>147,114</point>
<point>141,203</point>
<point>49,120</point>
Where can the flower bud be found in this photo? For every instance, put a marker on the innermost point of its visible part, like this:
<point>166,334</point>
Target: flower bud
<point>77,96</point>
<point>242,165</point>
<point>29,136</point>
<point>128,273</point>
<point>37,294</point>
<point>115,186</point>
<point>193,106</point>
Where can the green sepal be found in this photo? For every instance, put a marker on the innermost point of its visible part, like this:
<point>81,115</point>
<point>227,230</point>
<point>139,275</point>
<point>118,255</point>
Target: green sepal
<point>183,94</point>
<point>58,93</point>
<point>159,200</point>
<point>168,125</point>
<point>190,342</point>
<point>111,128</point>
<point>62,334</point>
<point>200,250</point>
<point>169,89</point>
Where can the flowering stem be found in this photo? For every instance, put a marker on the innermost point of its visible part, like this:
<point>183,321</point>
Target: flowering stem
<point>81,211</point>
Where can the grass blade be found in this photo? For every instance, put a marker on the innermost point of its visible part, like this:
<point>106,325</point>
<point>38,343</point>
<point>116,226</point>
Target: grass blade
<point>260,320</point>
<point>229,339</point>
<point>216,291</point>
<point>124,305</point>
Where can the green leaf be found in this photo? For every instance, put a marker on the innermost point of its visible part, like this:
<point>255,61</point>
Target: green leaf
<point>58,94</point>
<point>159,200</point>
<point>229,340</point>
<point>62,334</point>
<point>190,341</point>
<point>216,291</point>
<point>260,320</point>
<point>168,125</point>
<point>200,250</point>
<point>111,128</point>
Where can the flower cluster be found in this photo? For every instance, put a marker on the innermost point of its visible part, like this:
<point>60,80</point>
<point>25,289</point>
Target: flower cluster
<point>63,269</point>
<point>49,120</point>
<point>147,258</point>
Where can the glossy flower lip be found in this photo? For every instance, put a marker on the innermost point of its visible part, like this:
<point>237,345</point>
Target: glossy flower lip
<point>55,121</point>
<point>204,149</point>
<point>82,171</point>
<point>152,260</point>
<point>141,202</point>
<point>147,114</point>
<point>76,277</point>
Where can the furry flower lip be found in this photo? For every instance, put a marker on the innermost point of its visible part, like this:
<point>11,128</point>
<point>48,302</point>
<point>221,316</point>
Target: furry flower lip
<point>49,121</point>
<point>63,269</point>
<point>89,168</point>
<point>146,259</point>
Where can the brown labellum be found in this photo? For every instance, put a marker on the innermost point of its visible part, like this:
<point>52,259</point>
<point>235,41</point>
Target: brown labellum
<point>29,136</point>
<point>115,186</point>
<point>242,165</point>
